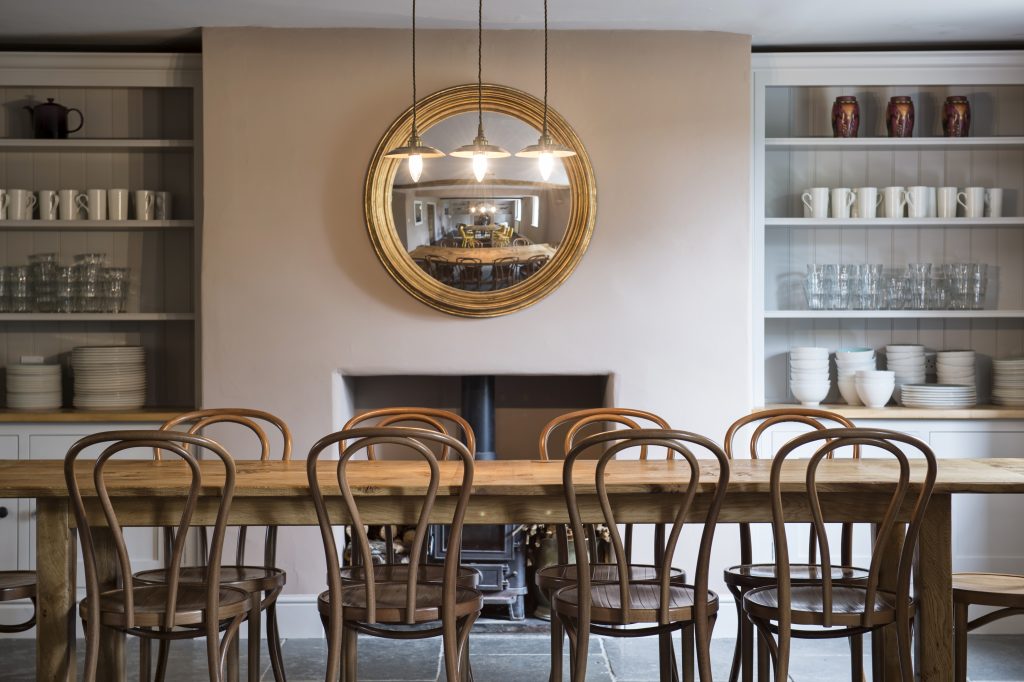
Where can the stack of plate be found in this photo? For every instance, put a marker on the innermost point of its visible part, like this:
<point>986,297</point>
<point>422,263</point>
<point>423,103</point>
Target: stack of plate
<point>907,361</point>
<point>33,387</point>
<point>808,375</point>
<point>939,396</point>
<point>849,361</point>
<point>109,377</point>
<point>1008,382</point>
<point>956,367</point>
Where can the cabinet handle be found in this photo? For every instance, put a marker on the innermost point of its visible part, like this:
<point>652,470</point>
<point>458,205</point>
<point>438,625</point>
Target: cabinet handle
<point>3,512</point>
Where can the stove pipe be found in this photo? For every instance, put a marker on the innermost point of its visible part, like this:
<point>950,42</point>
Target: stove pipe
<point>478,410</point>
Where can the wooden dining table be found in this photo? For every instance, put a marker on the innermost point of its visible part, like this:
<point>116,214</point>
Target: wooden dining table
<point>486,254</point>
<point>148,493</point>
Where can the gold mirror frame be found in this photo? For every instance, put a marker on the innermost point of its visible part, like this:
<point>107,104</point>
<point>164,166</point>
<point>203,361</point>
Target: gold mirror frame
<point>380,221</point>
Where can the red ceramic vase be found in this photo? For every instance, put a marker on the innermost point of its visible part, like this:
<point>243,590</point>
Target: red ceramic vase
<point>956,117</point>
<point>899,117</point>
<point>845,117</point>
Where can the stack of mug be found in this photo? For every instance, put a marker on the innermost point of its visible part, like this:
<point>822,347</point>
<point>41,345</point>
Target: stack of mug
<point>902,202</point>
<point>92,204</point>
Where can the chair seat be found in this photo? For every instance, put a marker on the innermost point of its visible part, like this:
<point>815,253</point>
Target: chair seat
<point>848,605</point>
<point>248,578</point>
<point>391,602</point>
<point>551,578</point>
<point>644,603</point>
<point>989,589</point>
<point>17,585</point>
<point>747,576</point>
<point>151,605</point>
<point>399,573</point>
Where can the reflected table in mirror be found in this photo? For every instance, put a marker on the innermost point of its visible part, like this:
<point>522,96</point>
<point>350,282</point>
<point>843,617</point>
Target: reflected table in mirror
<point>482,268</point>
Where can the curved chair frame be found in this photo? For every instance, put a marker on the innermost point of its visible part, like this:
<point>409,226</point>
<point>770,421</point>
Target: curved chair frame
<point>705,603</point>
<point>341,631</point>
<point>16,585</point>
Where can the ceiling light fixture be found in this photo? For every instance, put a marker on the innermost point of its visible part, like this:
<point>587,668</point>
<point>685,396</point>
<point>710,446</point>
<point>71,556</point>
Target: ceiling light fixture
<point>414,150</point>
<point>480,150</point>
<point>546,150</point>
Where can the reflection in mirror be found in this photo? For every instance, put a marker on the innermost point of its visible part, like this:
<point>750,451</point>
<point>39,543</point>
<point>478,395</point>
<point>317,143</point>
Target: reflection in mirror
<point>481,236</point>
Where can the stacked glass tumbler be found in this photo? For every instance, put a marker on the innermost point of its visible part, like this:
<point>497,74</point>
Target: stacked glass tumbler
<point>922,286</point>
<point>46,286</point>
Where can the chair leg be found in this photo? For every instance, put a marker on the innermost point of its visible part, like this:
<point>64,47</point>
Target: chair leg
<point>767,650</point>
<point>163,653</point>
<point>762,650</point>
<point>686,635</point>
<point>221,654</point>
<point>274,643</point>
<point>959,642</point>
<point>878,654</point>
<point>739,661</point>
<point>557,637</point>
<point>145,665</point>
<point>857,658</point>
<point>350,659</point>
<point>253,645</point>
<point>579,644</point>
<point>466,670</point>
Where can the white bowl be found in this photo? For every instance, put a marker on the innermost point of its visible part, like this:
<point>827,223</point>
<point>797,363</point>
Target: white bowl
<point>808,353</point>
<point>875,374</point>
<point>874,394</point>
<point>855,353</point>
<point>848,389</point>
<point>808,364</point>
<point>810,394</point>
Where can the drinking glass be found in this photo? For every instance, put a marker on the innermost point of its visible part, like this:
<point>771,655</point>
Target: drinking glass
<point>115,289</point>
<point>938,293</point>
<point>65,289</point>
<point>814,287</point>
<point>918,285</point>
<point>896,291</point>
<point>21,289</point>
<point>5,289</point>
<point>978,283</point>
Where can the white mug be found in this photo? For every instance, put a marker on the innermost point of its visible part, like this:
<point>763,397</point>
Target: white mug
<point>162,209</point>
<point>815,202</point>
<point>117,204</point>
<point>994,200</point>
<point>4,200</point>
<point>866,201</point>
<point>921,202</point>
<point>842,200</point>
<point>895,201</point>
<point>973,201</point>
<point>144,204</point>
<point>21,204</point>
<point>68,204</point>
<point>48,201</point>
<point>946,202</point>
<point>94,203</point>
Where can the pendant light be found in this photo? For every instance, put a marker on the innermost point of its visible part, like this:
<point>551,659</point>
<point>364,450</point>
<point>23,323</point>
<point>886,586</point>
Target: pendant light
<point>414,150</point>
<point>481,150</point>
<point>546,150</point>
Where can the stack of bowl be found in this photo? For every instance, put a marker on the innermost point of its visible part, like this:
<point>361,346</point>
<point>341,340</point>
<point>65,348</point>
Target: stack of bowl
<point>1008,382</point>
<point>907,361</point>
<point>956,367</point>
<point>33,387</point>
<point>849,361</point>
<point>808,375</point>
<point>875,387</point>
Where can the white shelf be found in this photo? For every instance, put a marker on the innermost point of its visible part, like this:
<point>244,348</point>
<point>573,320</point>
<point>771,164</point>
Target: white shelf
<point>890,314</point>
<point>86,145</point>
<point>978,412</point>
<point>892,143</point>
<point>94,225</point>
<point>96,317</point>
<point>1015,221</point>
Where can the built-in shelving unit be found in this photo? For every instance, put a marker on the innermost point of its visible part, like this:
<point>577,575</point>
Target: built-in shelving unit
<point>79,145</point>
<point>981,412</point>
<point>794,150</point>
<point>94,225</point>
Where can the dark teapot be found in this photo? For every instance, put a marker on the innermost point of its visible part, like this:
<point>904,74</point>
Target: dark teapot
<point>50,120</point>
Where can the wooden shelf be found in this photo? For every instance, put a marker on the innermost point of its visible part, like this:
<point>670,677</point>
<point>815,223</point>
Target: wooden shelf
<point>1016,221</point>
<point>146,414</point>
<point>94,225</point>
<point>892,143</point>
<point>95,317</point>
<point>979,412</point>
<point>93,145</point>
<point>891,314</point>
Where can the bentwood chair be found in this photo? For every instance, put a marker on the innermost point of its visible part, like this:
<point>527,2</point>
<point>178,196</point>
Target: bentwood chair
<point>503,272</point>
<point>628,607</point>
<point>469,273</point>
<point>15,585</point>
<point>533,265</point>
<point>443,422</point>
<point>263,582</point>
<point>173,610</point>
<point>550,579</point>
<point>747,574</point>
<point>827,608</point>
<point>1003,591</point>
<point>410,609</point>
<point>440,269</point>
<point>521,241</point>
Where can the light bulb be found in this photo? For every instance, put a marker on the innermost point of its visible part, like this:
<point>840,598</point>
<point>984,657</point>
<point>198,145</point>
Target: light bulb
<point>472,209</point>
<point>547,163</point>
<point>416,167</point>
<point>479,166</point>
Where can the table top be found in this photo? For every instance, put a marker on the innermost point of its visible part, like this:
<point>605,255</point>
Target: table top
<point>146,478</point>
<point>488,254</point>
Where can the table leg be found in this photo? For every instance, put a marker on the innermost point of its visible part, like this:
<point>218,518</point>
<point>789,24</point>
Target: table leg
<point>884,639</point>
<point>111,664</point>
<point>55,576</point>
<point>933,583</point>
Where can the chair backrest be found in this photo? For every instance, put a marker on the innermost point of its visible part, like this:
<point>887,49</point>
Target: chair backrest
<point>815,419</point>
<point>416,441</point>
<point>442,421</point>
<point>181,445</point>
<point>194,422</point>
<point>828,441</point>
<point>578,425</point>
<point>521,241</point>
<point>613,443</point>
<point>534,264</point>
